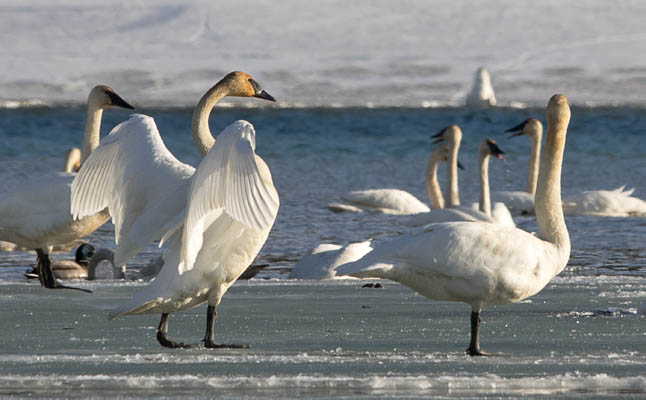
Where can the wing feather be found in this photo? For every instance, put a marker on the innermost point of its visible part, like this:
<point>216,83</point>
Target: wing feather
<point>229,180</point>
<point>138,179</point>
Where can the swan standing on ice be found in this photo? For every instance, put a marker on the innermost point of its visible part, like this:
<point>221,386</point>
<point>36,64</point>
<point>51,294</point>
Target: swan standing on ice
<point>484,264</point>
<point>215,219</point>
<point>481,94</point>
<point>522,203</point>
<point>37,215</point>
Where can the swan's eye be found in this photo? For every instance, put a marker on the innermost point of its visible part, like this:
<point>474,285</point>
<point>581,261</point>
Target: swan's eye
<point>256,87</point>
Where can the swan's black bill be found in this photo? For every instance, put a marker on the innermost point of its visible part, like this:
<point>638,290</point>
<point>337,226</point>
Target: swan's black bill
<point>518,129</point>
<point>439,137</point>
<point>118,101</point>
<point>460,166</point>
<point>264,95</point>
<point>495,150</point>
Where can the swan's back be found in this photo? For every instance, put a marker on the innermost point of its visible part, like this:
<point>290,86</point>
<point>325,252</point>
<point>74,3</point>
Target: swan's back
<point>389,201</point>
<point>473,262</point>
<point>615,203</point>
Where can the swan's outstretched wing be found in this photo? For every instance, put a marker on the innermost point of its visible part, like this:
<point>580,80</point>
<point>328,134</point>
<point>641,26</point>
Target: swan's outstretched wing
<point>232,180</point>
<point>138,179</point>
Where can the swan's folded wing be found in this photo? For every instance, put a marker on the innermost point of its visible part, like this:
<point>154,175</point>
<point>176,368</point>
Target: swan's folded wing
<point>138,179</point>
<point>231,179</point>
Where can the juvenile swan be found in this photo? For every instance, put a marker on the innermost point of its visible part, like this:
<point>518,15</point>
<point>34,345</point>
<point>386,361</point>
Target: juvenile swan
<point>215,218</point>
<point>37,215</point>
<point>522,203</point>
<point>478,263</point>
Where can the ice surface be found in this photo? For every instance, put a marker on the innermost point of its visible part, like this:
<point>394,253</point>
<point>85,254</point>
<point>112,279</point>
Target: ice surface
<point>330,53</point>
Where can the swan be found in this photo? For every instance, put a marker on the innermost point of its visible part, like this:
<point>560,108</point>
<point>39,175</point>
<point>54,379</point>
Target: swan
<point>454,211</point>
<point>320,263</point>
<point>522,203</point>
<point>481,94</point>
<point>387,201</point>
<point>36,215</point>
<point>214,218</point>
<point>478,263</point>
<point>72,160</point>
<point>606,203</point>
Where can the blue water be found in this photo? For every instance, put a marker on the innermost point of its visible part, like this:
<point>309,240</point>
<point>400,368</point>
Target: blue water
<point>317,154</point>
<point>582,335</point>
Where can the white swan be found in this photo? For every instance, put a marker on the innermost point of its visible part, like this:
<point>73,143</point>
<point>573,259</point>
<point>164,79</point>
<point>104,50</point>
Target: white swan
<point>478,263</point>
<point>481,94</point>
<point>387,201</point>
<point>37,216</point>
<point>608,203</point>
<point>452,134</point>
<point>72,160</point>
<point>522,203</point>
<point>215,218</point>
<point>72,164</point>
<point>321,262</point>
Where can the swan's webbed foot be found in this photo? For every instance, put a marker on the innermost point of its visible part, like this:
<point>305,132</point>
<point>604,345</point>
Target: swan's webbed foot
<point>162,336</point>
<point>473,352</point>
<point>209,338</point>
<point>210,345</point>
<point>46,275</point>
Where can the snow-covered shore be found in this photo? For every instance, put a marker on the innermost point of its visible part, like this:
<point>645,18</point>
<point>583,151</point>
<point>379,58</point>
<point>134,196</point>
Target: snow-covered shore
<point>324,53</point>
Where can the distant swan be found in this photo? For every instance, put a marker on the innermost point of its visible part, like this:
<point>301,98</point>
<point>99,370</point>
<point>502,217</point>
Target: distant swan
<point>481,94</point>
<point>215,219</point>
<point>320,263</point>
<point>522,203</point>
<point>452,134</point>
<point>37,215</point>
<point>478,263</point>
<point>72,160</point>
<point>608,203</point>
<point>387,201</point>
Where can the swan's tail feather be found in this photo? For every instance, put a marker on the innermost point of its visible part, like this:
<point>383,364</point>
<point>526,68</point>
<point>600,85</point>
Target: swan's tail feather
<point>128,309</point>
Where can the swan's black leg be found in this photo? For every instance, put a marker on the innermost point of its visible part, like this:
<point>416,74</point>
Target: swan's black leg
<point>46,276</point>
<point>162,335</point>
<point>474,347</point>
<point>209,338</point>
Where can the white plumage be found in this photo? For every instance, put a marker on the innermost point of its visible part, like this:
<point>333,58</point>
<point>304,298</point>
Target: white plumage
<point>609,203</point>
<point>36,214</point>
<point>479,263</point>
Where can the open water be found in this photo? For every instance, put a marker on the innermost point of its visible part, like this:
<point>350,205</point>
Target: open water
<point>582,335</point>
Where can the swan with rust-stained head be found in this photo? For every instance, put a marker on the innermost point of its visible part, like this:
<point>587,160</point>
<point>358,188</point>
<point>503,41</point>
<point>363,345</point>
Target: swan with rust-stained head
<point>215,218</point>
<point>479,263</point>
<point>37,216</point>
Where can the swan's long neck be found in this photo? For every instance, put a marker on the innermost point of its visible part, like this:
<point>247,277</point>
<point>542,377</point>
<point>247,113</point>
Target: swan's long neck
<point>534,161</point>
<point>454,194</point>
<point>485,198</point>
<point>92,133</point>
<point>432,184</point>
<point>202,136</point>
<point>549,210</point>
